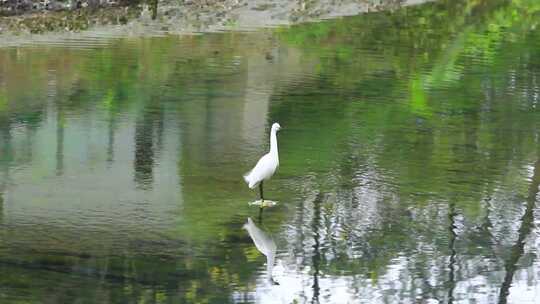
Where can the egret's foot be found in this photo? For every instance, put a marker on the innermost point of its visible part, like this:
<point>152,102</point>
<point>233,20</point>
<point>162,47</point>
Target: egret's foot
<point>263,203</point>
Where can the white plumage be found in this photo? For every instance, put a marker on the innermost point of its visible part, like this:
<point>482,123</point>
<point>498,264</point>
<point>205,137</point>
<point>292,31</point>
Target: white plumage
<point>263,170</point>
<point>267,165</point>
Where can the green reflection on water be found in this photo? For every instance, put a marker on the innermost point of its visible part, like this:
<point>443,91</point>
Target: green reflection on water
<point>409,143</point>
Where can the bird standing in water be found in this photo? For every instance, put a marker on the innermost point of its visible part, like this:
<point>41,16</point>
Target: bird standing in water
<point>266,166</point>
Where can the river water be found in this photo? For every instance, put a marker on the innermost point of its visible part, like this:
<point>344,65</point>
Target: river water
<point>409,162</point>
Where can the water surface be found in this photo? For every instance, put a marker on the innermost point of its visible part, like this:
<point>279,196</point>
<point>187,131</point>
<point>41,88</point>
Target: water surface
<point>409,162</point>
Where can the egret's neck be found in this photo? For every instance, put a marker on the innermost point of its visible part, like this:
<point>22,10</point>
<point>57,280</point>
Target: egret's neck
<point>273,143</point>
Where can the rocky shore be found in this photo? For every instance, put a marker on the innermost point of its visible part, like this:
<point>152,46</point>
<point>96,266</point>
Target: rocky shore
<point>24,19</point>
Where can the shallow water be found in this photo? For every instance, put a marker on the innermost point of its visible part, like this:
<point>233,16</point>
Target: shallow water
<point>409,162</point>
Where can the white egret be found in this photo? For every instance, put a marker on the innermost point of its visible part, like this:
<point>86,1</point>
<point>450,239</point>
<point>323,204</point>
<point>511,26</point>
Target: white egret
<point>266,166</point>
<point>265,244</point>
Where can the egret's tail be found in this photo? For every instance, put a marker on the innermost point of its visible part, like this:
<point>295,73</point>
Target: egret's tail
<point>248,224</point>
<point>250,180</point>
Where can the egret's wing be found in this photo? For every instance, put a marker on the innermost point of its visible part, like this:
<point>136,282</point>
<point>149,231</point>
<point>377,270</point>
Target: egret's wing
<point>263,169</point>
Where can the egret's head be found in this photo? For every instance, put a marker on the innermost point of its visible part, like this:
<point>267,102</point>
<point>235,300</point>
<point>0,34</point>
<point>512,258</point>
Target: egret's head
<point>276,127</point>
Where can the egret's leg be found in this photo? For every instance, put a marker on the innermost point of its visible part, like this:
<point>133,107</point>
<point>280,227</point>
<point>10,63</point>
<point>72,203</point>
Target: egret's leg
<point>261,191</point>
<point>260,214</point>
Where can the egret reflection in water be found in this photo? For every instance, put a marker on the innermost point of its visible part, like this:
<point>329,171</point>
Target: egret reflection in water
<point>264,243</point>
